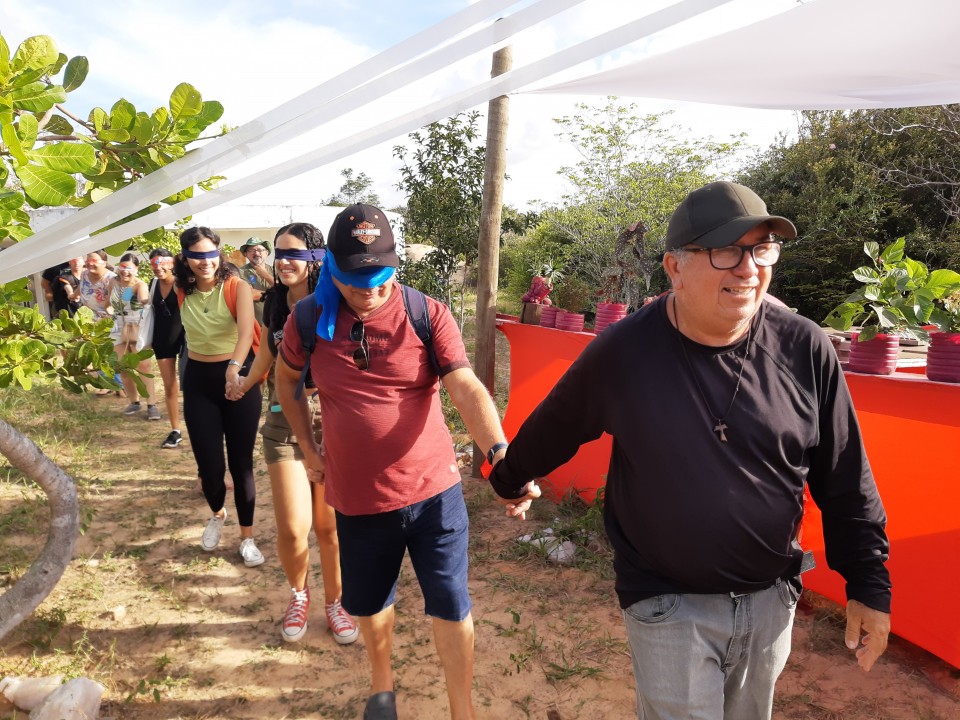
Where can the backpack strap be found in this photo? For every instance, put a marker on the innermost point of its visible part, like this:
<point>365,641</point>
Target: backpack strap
<point>230,296</point>
<point>305,314</point>
<point>415,303</point>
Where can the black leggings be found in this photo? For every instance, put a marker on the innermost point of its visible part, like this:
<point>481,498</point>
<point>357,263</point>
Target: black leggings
<point>210,419</point>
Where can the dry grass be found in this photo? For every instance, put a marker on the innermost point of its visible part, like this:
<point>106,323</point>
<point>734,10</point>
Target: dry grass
<point>200,639</point>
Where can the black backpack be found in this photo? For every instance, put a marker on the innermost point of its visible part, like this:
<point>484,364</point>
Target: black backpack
<point>414,302</point>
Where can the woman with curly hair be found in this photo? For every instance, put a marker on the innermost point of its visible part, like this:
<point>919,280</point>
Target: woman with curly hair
<point>217,315</point>
<point>297,501</point>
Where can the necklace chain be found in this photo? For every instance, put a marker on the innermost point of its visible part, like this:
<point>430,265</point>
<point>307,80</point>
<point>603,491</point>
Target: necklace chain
<point>721,425</point>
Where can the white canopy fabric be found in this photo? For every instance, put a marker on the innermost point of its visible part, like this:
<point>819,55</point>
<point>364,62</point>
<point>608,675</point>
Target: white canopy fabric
<point>70,237</point>
<point>824,55</point>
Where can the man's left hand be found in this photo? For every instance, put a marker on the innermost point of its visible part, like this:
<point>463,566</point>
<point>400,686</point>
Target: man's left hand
<point>517,507</point>
<point>876,626</point>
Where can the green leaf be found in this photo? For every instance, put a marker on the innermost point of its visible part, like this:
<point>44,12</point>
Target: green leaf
<point>871,292</point>
<point>66,156</point>
<point>36,96</point>
<point>210,112</point>
<point>872,250</point>
<point>98,117</point>
<point>58,125</point>
<point>122,115</point>
<point>112,135</point>
<point>4,60</point>
<point>143,128</point>
<point>893,252</point>
<point>945,280</point>
<point>10,138</point>
<point>46,186</point>
<point>27,129</point>
<point>75,73</point>
<point>35,53</point>
<point>185,100</point>
<point>867,334</point>
<point>10,200</point>
<point>161,118</point>
<point>887,317</point>
<point>866,274</point>
<point>57,66</point>
<point>118,248</point>
<point>99,193</point>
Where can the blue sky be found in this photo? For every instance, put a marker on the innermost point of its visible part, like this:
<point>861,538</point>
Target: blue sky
<point>254,55</point>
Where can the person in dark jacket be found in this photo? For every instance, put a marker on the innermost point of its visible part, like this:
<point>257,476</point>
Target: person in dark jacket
<point>722,408</point>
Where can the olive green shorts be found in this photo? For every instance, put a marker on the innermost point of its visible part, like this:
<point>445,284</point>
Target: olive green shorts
<point>279,442</point>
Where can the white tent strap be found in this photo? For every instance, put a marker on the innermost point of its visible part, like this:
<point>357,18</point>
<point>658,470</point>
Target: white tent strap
<point>500,85</point>
<point>256,136</point>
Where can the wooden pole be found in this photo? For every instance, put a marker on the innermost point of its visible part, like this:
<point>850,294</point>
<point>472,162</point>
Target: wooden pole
<point>488,261</point>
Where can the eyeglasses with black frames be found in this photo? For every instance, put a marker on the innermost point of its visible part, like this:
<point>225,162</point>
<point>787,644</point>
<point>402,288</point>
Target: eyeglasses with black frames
<point>764,254</point>
<point>361,356</point>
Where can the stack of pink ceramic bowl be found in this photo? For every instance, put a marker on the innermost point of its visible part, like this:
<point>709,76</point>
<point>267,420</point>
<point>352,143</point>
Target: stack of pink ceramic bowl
<point>569,321</point>
<point>609,313</point>
<point>548,316</point>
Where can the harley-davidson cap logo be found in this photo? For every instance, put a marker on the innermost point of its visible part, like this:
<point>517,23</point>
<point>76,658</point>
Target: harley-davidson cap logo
<point>365,232</point>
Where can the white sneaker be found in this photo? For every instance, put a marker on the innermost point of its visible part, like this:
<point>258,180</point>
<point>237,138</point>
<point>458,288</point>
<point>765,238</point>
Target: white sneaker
<point>211,533</point>
<point>250,554</point>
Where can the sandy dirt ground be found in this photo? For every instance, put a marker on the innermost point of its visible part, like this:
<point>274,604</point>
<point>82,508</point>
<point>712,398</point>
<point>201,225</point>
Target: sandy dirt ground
<point>174,632</point>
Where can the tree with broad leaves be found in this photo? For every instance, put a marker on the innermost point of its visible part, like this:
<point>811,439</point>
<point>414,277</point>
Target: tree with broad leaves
<point>443,179</point>
<point>633,169</point>
<point>50,156</point>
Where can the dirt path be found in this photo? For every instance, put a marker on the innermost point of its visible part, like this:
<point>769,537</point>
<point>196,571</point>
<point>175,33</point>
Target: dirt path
<point>174,632</point>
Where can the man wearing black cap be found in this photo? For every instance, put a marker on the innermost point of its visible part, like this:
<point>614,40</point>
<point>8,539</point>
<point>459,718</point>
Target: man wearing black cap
<point>722,407</point>
<point>387,462</point>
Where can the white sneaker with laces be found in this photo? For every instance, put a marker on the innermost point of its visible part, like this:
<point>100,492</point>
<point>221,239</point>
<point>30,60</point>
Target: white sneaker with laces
<point>250,553</point>
<point>343,627</point>
<point>211,533</point>
<point>295,618</point>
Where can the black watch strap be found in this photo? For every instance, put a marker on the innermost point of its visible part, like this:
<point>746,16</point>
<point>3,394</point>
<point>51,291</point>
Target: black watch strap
<point>497,447</point>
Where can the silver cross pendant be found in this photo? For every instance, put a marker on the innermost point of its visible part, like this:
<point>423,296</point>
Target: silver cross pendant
<point>719,430</point>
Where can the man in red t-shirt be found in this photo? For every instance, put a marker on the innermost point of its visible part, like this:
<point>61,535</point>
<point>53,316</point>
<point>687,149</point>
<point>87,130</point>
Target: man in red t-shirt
<point>387,461</point>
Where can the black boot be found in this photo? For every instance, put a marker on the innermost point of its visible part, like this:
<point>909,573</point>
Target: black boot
<point>381,706</point>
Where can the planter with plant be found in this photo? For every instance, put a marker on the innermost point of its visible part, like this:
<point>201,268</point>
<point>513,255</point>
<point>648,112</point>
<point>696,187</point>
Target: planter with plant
<point>545,277</point>
<point>943,355</point>
<point>894,301</point>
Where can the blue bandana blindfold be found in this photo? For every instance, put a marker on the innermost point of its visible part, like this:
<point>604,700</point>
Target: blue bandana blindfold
<point>194,255</point>
<point>328,296</point>
<point>315,255</point>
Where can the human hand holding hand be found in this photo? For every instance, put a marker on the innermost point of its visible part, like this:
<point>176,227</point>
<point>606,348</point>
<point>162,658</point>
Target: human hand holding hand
<point>235,390</point>
<point>232,390</point>
<point>875,624</point>
<point>517,507</point>
<point>315,461</point>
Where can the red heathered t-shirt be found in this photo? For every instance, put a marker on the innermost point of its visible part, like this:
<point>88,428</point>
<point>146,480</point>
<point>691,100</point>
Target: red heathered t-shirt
<point>386,442</point>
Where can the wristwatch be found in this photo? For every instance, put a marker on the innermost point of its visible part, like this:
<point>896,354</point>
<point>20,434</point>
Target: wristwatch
<point>497,447</point>
<point>231,361</point>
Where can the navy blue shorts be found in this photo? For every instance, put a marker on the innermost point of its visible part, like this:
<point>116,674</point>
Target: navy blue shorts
<point>435,531</point>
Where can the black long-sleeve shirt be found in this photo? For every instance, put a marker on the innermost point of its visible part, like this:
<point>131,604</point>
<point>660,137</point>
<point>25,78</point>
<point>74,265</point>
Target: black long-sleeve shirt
<point>686,512</point>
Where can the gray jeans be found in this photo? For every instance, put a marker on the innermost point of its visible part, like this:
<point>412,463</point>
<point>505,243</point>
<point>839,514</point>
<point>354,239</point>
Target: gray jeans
<point>710,657</point>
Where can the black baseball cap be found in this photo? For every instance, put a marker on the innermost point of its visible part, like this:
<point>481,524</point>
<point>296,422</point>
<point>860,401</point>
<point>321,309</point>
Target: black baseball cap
<point>719,214</point>
<point>361,237</point>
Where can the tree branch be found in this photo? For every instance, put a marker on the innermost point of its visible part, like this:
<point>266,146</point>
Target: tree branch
<point>30,590</point>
